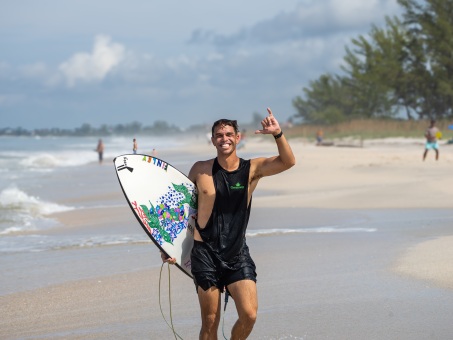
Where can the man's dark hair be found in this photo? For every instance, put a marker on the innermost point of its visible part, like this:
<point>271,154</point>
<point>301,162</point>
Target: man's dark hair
<point>228,122</point>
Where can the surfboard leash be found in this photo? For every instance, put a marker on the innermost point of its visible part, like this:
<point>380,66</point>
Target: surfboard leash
<point>170,325</point>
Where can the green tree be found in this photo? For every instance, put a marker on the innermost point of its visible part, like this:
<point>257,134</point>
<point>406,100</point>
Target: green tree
<point>327,100</point>
<point>430,25</point>
<point>404,67</point>
<point>377,71</point>
<point>84,130</point>
<point>374,84</point>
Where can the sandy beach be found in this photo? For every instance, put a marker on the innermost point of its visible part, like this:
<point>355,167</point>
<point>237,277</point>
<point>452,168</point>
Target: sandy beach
<point>383,268</point>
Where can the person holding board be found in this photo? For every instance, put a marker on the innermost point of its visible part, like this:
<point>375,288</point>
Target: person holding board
<point>220,257</point>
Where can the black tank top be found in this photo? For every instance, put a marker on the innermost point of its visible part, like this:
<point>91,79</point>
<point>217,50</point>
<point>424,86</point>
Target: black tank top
<point>225,230</point>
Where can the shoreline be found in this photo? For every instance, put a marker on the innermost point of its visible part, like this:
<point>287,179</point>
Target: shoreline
<point>429,261</point>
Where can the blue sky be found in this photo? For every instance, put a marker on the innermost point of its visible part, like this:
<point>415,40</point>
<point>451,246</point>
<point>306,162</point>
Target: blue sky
<point>65,63</point>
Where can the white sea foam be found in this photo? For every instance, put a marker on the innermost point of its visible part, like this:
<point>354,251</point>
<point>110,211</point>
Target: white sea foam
<point>40,161</point>
<point>48,154</point>
<point>15,198</point>
<point>20,211</point>
<point>48,161</point>
<point>334,229</point>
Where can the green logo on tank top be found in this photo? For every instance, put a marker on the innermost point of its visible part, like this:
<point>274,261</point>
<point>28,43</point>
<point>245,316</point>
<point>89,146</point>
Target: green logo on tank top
<point>237,186</point>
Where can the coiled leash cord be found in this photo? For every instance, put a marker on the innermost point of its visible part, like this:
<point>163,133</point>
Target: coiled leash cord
<point>170,324</point>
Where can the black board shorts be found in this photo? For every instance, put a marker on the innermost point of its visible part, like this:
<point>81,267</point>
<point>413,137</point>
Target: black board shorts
<point>208,270</point>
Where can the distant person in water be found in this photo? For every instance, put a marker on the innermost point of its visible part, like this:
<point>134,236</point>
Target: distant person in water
<point>100,150</point>
<point>134,146</point>
<point>431,134</point>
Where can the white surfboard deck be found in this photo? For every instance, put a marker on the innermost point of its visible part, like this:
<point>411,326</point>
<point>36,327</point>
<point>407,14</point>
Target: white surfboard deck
<point>163,200</point>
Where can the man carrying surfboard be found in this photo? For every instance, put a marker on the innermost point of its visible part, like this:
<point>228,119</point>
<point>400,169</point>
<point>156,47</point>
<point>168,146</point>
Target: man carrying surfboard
<point>220,256</point>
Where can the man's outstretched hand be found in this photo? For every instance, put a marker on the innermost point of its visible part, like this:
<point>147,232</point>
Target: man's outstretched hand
<point>270,125</point>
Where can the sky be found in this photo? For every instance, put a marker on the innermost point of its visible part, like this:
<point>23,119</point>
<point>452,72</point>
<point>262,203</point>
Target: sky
<point>67,63</point>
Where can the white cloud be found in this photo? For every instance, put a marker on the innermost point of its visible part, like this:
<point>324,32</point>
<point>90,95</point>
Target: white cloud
<point>307,20</point>
<point>359,13</point>
<point>94,67</point>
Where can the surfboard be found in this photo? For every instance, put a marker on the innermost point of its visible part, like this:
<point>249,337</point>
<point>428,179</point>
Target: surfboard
<point>164,202</point>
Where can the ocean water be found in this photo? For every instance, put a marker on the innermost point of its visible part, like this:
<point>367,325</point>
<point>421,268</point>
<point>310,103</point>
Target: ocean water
<point>40,176</point>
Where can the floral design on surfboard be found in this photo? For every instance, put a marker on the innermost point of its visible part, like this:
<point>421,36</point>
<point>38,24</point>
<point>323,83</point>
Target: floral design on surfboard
<point>170,214</point>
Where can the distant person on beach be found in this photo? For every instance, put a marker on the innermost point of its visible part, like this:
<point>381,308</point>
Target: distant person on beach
<point>100,150</point>
<point>319,137</point>
<point>220,257</point>
<point>134,146</point>
<point>154,153</point>
<point>431,134</point>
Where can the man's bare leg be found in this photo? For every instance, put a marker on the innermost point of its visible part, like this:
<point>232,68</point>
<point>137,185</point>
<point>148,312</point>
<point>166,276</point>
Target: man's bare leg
<point>245,297</point>
<point>425,153</point>
<point>210,312</point>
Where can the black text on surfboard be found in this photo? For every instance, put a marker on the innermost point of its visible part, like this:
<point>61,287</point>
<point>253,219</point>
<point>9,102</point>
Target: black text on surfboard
<point>124,166</point>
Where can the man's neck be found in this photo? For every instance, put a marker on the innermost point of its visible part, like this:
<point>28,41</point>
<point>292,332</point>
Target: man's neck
<point>228,162</point>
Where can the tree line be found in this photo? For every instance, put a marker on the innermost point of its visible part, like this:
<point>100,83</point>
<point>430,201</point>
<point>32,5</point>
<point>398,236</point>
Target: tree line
<point>401,70</point>
<point>134,128</point>
<point>158,128</point>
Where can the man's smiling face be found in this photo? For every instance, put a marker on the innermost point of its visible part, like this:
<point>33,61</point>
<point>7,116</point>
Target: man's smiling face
<point>225,139</point>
